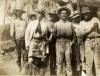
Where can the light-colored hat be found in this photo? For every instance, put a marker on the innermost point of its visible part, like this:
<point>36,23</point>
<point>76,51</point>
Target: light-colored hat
<point>85,10</point>
<point>64,8</point>
<point>75,16</point>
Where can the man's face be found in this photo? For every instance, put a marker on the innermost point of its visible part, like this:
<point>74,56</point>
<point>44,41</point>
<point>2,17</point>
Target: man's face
<point>39,16</point>
<point>50,17</point>
<point>19,14</point>
<point>77,20</point>
<point>63,14</point>
<point>87,16</point>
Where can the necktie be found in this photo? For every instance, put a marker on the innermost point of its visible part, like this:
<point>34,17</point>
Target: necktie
<point>38,29</point>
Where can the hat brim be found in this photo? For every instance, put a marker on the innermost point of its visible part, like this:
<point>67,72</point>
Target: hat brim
<point>86,12</point>
<point>75,16</point>
<point>32,15</point>
<point>52,13</point>
<point>64,8</point>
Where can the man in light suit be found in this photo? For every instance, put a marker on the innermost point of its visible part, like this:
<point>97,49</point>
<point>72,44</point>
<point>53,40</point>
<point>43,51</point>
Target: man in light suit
<point>35,38</point>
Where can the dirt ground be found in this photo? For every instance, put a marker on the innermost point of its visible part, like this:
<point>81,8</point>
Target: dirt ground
<point>9,67</point>
<point>8,64</point>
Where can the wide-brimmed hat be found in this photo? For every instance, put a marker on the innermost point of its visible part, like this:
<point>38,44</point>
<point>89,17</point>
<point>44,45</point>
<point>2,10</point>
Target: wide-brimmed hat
<point>40,11</point>
<point>85,10</point>
<point>63,8</point>
<point>76,15</point>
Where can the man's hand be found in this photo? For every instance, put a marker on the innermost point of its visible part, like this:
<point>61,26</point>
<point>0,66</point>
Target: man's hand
<point>27,48</point>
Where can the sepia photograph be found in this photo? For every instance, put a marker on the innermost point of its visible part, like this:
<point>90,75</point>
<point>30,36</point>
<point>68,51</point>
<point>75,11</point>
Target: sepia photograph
<point>49,37</point>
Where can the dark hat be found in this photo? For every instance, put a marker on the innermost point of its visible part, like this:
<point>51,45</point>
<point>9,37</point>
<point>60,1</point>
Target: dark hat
<point>52,12</point>
<point>18,10</point>
<point>41,11</point>
<point>85,10</point>
<point>64,8</point>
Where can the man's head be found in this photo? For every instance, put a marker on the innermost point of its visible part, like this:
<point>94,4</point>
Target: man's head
<point>76,18</point>
<point>64,13</point>
<point>18,13</point>
<point>86,13</point>
<point>32,16</point>
<point>52,15</point>
<point>40,14</point>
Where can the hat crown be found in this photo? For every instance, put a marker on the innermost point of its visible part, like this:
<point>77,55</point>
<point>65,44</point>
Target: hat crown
<point>85,10</point>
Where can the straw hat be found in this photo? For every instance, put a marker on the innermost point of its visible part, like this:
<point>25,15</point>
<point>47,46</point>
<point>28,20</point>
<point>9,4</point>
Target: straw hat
<point>64,8</point>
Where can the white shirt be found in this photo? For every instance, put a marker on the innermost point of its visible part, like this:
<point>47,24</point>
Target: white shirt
<point>84,26</point>
<point>31,28</point>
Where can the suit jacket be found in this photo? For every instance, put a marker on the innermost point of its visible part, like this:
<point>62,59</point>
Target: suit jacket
<point>31,28</point>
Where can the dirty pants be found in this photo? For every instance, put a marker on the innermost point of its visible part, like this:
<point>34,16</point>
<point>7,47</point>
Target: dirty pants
<point>63,56</point>
<point>34,49</point>
<point>81,44</point>
<point>92,54</point>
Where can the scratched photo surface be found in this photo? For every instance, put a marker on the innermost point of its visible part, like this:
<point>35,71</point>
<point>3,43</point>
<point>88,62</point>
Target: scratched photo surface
<point>50,37</point>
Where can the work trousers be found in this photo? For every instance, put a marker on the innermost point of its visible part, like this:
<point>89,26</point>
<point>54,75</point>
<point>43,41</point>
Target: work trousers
<point>34,50</point>
<point>63,54</point>
<point>21,52</point>
<point>92,54</point>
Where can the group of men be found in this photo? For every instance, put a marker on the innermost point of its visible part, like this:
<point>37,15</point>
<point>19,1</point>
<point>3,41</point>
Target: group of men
<point>53,37</point>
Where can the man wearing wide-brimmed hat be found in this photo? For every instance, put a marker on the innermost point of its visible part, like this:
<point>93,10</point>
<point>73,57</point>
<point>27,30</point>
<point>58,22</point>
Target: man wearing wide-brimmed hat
<point>90,29</point>
<point>17,32</point>
<point>63,32</point>
<point>35,38</point>
<point>76,18</point>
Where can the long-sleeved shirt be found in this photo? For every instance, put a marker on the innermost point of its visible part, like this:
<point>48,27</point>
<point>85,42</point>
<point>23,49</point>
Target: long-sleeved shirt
<point>85,26</point>
<point>30,31</point>
<point>18,27</point>
<point>63,29</point>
